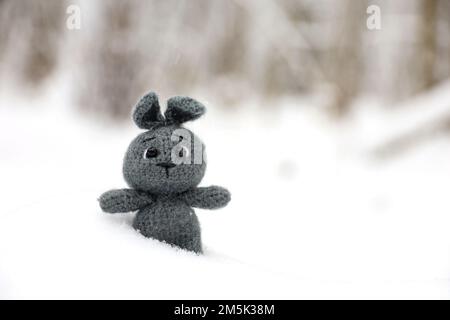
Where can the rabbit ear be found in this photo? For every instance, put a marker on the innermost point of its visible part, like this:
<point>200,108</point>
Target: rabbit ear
<point>147,112</point>
<point>182,109</point>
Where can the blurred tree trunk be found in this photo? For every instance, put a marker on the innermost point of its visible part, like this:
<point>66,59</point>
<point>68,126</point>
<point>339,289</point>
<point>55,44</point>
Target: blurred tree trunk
<point>32,30</point>
<point>415,69</point>
<point>111,63</point>
<point>447,18</point>
<point>426,51</point>
<point>345,65</point>
<point>47,25</point>
<point>3,34</point>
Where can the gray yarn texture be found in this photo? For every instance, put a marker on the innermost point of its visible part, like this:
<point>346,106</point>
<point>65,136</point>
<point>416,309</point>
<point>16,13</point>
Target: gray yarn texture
<point>164,191</point>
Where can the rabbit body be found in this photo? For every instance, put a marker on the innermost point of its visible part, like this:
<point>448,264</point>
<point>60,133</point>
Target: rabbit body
<point>171,220</point>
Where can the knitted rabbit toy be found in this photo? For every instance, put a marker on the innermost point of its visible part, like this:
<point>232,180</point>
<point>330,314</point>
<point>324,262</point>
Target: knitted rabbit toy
<point>163,167</point>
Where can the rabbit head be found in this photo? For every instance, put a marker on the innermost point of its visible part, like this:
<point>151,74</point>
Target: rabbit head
<point>167,158</point>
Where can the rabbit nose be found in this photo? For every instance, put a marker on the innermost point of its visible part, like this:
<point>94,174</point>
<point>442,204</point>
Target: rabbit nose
<point>166,165</point>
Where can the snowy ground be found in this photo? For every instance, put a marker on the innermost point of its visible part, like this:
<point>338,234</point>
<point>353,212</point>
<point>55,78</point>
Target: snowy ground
<point>311,216</point>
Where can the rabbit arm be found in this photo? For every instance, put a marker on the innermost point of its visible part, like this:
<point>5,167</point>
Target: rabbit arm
<point>207,197</point>
<point>123,200</point>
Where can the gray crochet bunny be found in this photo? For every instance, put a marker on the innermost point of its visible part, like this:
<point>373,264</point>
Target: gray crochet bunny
<point>163,167</point>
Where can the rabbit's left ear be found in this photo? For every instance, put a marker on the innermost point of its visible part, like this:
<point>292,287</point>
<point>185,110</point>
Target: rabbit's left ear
<point>182,109</point>
<point>147,113</point>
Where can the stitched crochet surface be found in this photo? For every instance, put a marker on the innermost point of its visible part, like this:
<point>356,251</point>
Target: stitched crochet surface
<point>163,167</point>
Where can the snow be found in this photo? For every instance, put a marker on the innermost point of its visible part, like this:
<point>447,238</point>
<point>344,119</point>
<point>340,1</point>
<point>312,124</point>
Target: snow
<point>403,119</point>
<point>311,216</point>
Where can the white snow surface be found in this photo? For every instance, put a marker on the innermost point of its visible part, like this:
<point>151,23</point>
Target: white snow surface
<point>311,216</point>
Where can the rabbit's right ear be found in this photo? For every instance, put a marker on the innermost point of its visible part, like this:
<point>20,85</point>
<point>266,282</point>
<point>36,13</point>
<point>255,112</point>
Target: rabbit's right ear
<point>147,113</point>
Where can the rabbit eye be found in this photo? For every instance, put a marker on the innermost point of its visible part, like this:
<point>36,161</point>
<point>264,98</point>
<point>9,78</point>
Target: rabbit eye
<point>184,152</point>
<point>151,153</point>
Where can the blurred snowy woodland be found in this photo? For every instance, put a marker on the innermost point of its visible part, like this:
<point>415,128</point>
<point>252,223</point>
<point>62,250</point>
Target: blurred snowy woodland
<point>329,121</point>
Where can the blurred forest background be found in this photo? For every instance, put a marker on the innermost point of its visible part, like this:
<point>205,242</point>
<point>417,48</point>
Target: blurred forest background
<point>231,50</point>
